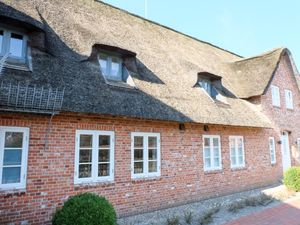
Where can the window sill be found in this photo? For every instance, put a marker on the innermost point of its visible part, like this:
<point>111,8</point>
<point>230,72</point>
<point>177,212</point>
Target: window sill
<point>238,168</point>
<point>94,183</point>
<point>142,179</point>
<point>273,164</point>
<point>213,171</point>
<point>276,106</point>
<point>11,192</point>
<point>120,84</point>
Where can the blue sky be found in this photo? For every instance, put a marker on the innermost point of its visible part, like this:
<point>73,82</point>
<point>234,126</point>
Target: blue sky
<point>245,27</point>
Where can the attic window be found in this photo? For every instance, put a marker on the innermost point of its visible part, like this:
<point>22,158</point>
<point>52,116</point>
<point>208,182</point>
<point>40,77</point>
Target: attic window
<point>13,43</point>
<point>206,85</point>
<point>111,66</point>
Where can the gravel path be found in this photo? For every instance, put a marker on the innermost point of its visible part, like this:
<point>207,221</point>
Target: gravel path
<point>198,209</point>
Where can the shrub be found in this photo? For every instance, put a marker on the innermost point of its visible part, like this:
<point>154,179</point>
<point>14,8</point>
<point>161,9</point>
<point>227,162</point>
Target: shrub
<point>292,178</point>
<point>188,217</point>
<point>173,220</point>
<point>85,209</point>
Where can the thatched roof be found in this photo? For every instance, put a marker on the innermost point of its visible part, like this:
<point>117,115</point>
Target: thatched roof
<point>168,64</point>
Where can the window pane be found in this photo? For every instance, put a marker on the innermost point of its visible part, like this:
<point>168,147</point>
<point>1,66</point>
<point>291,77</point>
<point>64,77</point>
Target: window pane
<point>216,142</point>
<point>206,142</point>
<point>207,163</point>
<point>217,162</point>
<point>233,160</point>
<point>138,142</point>
<point>216,152</point>
<point>86,141</point>
<point>103,170</point>
<point>1,40</point>
<point>12,157</point>
<point>16,45</point>
<point>103,155</point>
<point>85,155</point>
<point>152,154</point>
<point>240,142</point>
<point>152,166</point>
<point>240,151</point>
<point>115,68</point>
<point>103,65</point>
<point>241,160</point>
<point>206,152</point>
<point>85,170</point>
<point>152,142</point>
<point>13,139</point>
<point>138,154</point>
<point>138,167</point>
<point>11,175</point>
<point>104,141</point>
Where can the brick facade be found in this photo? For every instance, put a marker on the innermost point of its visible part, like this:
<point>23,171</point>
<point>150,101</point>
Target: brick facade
<point>50,176</point>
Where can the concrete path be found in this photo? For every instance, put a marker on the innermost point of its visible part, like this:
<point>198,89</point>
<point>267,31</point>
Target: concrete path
<point>287,213</point>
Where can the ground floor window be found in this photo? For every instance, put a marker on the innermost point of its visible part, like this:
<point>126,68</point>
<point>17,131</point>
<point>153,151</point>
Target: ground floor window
<point>145,156</point>
<point>212,152</point>
<point>94,159</point>
<point>272,149</point>
<point>13,157</point>
<point>237,153</point>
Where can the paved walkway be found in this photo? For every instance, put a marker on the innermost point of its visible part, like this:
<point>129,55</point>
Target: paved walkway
<point>287,213</point>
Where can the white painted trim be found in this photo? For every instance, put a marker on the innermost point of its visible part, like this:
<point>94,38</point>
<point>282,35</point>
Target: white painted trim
<point>274,148</point>
<point>275,92</point>
<point>236,152</point>
<point>213,167</point>
<point>94,178</point>
<point>288,99</point>
<point>145,173</point>
<point>24,160</point>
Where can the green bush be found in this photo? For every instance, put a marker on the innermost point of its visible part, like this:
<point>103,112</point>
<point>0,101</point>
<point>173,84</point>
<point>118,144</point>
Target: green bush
<point>85,209</point>
<point>291,178</point>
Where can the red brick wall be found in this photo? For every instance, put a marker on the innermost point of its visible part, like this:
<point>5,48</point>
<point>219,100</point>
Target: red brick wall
<point>50,176</point>
<point>284,119</point>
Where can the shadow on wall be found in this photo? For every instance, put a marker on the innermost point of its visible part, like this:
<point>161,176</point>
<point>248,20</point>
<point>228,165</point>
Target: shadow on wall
<point>58,65</point>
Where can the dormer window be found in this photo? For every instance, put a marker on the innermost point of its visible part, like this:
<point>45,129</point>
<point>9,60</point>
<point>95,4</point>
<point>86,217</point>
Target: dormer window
<point>111,66</point>
<point>13,43</point>
<point>206,85</point>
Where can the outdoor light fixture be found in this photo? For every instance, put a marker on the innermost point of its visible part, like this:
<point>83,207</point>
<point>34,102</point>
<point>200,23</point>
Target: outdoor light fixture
<point>206,128</point>
<point>279,142</point>
<point>181,126</point>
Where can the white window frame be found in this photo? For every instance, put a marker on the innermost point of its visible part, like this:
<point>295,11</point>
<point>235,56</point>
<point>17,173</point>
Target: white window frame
<point>238,165</point>
<point>288,99</point>
<point>272,149</point>
<point>107,73</point>
<point>213,167</point>
<point>6,43</point>
<point>24,160</point>
<point>94,178</point>
<point>145,174</point>
<point>275,91</point>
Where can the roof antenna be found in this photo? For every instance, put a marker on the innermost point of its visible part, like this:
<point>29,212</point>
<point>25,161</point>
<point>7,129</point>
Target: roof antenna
<point>146,9</point>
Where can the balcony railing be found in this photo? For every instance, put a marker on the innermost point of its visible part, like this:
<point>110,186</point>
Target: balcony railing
<point>30,98</point>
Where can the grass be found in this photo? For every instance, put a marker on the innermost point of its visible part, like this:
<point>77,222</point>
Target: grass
<point>188,217</point>
<point>207,216</point>
<point>173,220</point>
<point>259,200</point>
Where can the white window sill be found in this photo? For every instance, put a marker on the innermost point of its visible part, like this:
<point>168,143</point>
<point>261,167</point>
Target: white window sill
<point>213,170</point>
<point>6,191</point>
<point>94,182</point>
<point>241,167</point>
<point>149,177</point>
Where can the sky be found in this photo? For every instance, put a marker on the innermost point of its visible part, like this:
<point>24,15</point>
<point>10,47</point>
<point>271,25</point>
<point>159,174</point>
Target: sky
<point>246,28</point>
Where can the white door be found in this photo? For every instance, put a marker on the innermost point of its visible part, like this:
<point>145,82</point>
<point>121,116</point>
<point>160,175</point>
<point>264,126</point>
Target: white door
<point>285,151</point>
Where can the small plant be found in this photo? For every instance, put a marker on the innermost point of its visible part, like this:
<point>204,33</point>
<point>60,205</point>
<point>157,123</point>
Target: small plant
<point>188,217</point>
<point>85,209</point>
<point>207,216</point>
<point>236,206</point>
<point>291,178</point>
<point>173,220</point>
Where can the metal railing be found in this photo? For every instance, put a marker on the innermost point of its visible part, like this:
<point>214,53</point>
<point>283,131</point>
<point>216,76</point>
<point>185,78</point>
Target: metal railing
<point>30,98</point>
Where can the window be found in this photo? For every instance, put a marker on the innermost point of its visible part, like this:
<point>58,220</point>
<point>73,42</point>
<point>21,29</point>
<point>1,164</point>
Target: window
<point>145,156</point>
<point>13,43</point>
<point>212,152</point>
<point>272,150</point>
<point>288,99</point>
<point>237,154</point>
<point>206,85</point>
<point>275,95</point>
<point>13,157</point>
<point>94,159</point>
<point>111,66</point>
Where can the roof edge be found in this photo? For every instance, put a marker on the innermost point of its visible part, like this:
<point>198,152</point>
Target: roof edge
<point>169,28</point>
